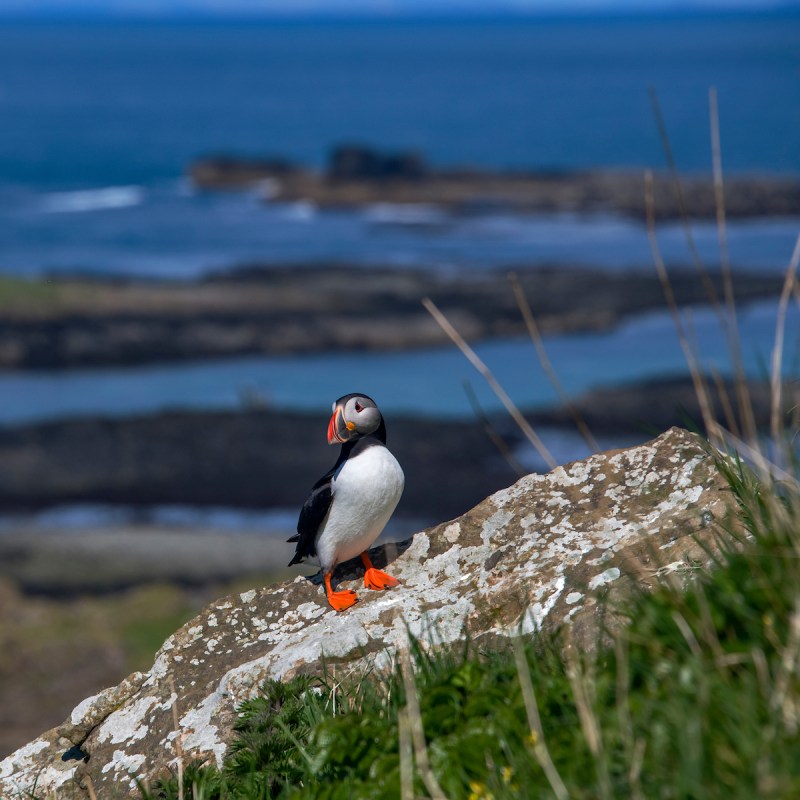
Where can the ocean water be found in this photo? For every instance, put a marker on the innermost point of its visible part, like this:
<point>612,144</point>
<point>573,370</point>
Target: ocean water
<point>427,382</point>
<point>101,119</point>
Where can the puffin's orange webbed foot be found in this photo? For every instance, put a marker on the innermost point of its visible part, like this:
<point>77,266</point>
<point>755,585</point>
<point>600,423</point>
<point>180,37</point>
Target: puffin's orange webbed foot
<point>375,578</point>
<point>340,601</point>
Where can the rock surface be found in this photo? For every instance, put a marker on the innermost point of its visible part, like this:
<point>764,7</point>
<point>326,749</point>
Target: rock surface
<point>365,178</point>
<point>531,556</point>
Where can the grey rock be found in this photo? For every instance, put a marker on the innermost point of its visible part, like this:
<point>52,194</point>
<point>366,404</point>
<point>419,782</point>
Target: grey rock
<point>530,557</point>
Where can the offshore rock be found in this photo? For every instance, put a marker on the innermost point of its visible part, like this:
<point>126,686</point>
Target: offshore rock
<point>533,556</point>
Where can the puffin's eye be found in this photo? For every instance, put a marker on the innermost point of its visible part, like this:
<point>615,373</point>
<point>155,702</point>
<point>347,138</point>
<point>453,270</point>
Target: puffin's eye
<point>359,407</point>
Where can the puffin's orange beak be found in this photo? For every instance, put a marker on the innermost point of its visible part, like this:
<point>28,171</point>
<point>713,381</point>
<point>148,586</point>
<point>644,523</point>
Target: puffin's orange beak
<point>338,429</point>
<point>332,437</point>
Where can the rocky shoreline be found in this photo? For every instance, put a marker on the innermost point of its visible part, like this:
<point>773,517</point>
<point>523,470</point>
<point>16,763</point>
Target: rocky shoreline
<point>359,176</point>
<point>72,322</point>
<point>268,458</point>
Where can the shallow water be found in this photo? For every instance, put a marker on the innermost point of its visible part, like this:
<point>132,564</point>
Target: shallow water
<point>427,382</point>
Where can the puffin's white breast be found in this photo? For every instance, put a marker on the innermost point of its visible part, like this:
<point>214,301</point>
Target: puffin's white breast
<point>365,491</point>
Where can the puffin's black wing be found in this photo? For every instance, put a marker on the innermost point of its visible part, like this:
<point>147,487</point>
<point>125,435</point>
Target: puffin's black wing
<point>311,515</point>
<point>316,507</point>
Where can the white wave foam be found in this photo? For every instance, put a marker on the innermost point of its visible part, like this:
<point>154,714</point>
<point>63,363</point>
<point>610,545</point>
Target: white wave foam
<point>93,199</point>
<point>405,214</point>
<point>299,211</point>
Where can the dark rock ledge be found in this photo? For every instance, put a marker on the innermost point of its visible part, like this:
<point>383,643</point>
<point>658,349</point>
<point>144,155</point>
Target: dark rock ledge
<point>81,322</point>
<point>358,176</point>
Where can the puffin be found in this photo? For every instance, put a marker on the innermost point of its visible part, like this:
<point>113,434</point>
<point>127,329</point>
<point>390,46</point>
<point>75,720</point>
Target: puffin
<point>351,503</point>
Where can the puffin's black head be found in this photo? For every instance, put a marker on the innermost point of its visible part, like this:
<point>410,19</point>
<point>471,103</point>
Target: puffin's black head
<point>355,415</point>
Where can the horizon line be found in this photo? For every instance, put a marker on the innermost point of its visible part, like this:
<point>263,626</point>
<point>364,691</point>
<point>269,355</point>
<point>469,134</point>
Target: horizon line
<point>362,12</point>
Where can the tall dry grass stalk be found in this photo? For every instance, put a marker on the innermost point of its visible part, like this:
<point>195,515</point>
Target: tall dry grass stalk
<point>537,740</point>
<point>732,329</point>
<point>583,694</point>
<point>698,382</point>
<point>178,738</point>
<point>633,746</point>
<point>547,366</point>
<point>727,317</point>
<point>776,382</point>
<point>406,757</point>
<point>417,731</point>
<point>666,146</point>
<point>90,788</point>
<point>487,375</point>
<point>497,440</point>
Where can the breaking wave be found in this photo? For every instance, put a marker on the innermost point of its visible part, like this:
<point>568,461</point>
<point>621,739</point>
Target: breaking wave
<point>83,200</point>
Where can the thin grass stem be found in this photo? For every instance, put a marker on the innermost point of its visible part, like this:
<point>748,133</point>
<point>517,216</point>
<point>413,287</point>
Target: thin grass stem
<point>734,342</point>
<point>684,216</point>
<point>406,757</point>
<point>90,788</point>
<point>496,439</point>
<point>724,400</point>
<point>589,723</point>
<point>769,469</point>
<point>487,375</point>
<point>540,751</point>
<point>775,422</point>
<point>417,730</point>
<point>178,737</point>
<point>547,366</point>
<point>697,380</point>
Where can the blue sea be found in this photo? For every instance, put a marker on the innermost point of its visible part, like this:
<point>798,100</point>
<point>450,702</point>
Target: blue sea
<point>100,119</point>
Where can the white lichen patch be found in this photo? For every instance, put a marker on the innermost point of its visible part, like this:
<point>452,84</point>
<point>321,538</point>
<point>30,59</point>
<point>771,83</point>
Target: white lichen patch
<point>35,769</point>
<point>127,724</point>
<point>83,710</point>
<point>537,613</point>
<point>495,523</point>
<point>611,574</point>
<point>122,762</point>
<point>22,758</point>
<point>248,597</point>
<point>193,634</point>
<point>420,545</point>
<point>201,735</point>
<point>452,532</point>
<point>573,597</point>
<point>310,610</point>
<point>211,621</point>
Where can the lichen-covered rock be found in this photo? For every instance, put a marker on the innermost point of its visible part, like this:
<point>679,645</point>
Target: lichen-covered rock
<point>531,556</point>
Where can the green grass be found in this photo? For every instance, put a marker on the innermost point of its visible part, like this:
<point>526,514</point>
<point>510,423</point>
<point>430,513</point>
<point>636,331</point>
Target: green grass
<point>697,697</point>
<point>18,294</point>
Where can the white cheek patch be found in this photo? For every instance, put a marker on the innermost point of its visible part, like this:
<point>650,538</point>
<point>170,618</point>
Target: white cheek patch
<point>333,407</point>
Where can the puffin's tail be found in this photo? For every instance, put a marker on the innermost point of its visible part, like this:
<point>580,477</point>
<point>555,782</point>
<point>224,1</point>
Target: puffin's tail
<point>297,558</point>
